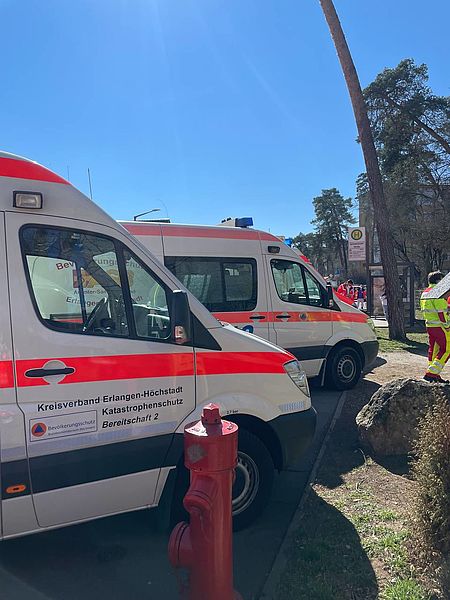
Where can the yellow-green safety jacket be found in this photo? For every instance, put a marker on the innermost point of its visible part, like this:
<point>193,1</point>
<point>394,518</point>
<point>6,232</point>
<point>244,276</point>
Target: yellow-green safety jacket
<point>434,310</point>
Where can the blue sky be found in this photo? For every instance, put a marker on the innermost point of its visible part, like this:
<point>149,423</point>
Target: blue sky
<point>204,108</point>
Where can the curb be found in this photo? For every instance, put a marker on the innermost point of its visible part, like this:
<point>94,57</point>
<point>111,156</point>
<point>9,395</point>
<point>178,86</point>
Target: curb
<point>270,587</point>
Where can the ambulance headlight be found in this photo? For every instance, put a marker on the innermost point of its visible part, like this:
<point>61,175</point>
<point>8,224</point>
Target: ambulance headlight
<point>298,376</point>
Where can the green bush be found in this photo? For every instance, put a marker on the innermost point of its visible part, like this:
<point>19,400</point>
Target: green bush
<point>431,470</point>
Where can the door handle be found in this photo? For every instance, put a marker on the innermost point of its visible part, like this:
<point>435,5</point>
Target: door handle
<point>48,372</point>
<point>285,316</point>
<point>257,317</point>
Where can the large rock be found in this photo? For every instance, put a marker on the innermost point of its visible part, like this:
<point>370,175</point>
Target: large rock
<point>387,424</point>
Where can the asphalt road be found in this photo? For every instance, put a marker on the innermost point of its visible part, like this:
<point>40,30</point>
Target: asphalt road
<point>124,557</point>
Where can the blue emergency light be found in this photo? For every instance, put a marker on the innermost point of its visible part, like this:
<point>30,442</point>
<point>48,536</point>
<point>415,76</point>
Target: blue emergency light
<point>289,242</point>
<point>244,222</point>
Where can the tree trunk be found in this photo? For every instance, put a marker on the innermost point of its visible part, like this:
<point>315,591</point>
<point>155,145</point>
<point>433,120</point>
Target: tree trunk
<point>390,271</point>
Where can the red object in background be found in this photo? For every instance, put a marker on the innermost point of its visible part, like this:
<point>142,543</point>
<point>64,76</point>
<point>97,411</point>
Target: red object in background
<point>344,298</point>
<point>205,545</point>
<point>346,293</point>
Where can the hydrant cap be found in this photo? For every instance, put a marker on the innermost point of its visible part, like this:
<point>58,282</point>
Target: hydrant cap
<point>211,415</point>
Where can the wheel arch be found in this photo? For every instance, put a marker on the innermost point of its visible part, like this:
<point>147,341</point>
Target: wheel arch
<point>347,342</point>
<point>262,430</point>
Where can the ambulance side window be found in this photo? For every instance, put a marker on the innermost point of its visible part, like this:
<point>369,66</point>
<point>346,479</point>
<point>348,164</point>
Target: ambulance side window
<point>295,284</point>
<point>91,284</point>
<point>221,284</point>
<point>75,281</point>
<point>149,301</point>
<point>315,292</point>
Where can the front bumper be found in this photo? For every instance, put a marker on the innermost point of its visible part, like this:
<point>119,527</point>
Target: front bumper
<point>370,350</point>
<point>295,432</point>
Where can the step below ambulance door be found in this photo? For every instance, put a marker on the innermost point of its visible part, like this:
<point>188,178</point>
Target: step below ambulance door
<point>300,322</point>
<point>232,288</point>
<point>101,384</point>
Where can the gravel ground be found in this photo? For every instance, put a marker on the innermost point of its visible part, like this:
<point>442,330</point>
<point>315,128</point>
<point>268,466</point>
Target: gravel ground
<point>391,365</point>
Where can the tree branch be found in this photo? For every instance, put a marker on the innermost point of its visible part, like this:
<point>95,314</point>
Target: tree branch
<point>434,134</point>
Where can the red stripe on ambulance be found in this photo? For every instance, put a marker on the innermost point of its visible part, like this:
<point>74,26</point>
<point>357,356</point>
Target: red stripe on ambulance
<point>6,374</point>
<point>294,317</point>
<point>226,363</point>
<point>199,232</point>
<point>106,368</point>
<point>22,169</point>
<point>142,366</point>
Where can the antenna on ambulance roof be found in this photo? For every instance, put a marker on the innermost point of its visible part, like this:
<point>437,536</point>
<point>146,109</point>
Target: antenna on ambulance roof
<point>136,217</point>
<point>90,183</point>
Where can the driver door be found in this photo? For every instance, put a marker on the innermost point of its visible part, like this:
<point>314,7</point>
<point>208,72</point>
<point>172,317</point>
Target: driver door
<point>100,383</point>
<point>302,324</point>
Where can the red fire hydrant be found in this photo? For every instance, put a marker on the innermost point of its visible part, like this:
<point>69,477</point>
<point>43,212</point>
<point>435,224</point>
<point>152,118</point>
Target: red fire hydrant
<point>205,545</point>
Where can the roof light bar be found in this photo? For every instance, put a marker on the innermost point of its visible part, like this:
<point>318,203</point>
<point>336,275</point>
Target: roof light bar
<point>243,222</point>
<point>27,200</point>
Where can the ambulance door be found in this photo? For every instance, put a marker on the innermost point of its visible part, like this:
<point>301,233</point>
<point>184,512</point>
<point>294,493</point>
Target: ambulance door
<point>301,323</point>
<point>101,385</point>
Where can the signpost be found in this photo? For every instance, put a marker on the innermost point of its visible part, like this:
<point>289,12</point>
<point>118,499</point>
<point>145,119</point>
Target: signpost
<point>357,243</point>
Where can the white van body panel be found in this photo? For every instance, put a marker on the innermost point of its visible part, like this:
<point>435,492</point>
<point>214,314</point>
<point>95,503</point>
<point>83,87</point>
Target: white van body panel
<point>270,399</point>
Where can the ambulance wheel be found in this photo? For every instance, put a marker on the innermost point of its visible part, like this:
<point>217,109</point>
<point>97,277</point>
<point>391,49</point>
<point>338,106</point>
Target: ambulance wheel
<point>252,485</point>
<point>343,369</point>
<point>253,480</point>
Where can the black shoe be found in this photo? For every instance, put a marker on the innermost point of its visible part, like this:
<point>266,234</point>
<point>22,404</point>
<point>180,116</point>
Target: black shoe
<point>440,380</point>
<point>432,379</point>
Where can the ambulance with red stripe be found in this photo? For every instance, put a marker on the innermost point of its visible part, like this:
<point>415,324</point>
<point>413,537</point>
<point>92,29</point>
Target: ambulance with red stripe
<point>259,284</point>
<point>104,357</point>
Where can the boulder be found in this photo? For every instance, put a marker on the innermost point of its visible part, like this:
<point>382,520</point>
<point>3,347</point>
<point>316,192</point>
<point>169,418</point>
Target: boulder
<point>387,424</point>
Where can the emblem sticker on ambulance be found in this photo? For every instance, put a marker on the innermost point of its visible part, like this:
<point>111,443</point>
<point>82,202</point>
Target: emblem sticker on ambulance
<point>39,429</point>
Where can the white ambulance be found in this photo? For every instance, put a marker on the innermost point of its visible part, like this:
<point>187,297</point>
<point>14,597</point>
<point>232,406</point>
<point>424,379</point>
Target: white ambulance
<point>259,284</point>
<point>104,359</point>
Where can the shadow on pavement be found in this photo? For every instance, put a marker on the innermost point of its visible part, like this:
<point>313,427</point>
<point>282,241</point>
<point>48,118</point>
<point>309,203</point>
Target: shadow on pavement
<point>325,559</point>
<point>115,558</point>
<point>417,348</point>
<point>378,362</point>
<point>344,452</point>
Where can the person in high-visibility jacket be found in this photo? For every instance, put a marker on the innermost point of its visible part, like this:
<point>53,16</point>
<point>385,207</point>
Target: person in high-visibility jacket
<point>437,321</point>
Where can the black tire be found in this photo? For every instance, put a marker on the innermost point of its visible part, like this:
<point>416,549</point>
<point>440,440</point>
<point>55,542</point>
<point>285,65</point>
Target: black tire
<point>251,489</point>
<point>343,370</point>
<point>253,482</point>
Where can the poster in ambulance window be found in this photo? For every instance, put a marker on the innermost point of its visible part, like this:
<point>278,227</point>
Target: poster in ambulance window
<point>52,281</point>
<point>92,290</point>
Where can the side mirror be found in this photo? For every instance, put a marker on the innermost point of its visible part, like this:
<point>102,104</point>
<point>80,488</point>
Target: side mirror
<point>181,318</point>
<point>330,297</point>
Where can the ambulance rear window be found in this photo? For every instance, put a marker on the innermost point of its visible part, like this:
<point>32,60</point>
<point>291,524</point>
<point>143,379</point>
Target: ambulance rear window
<point>221,284</point>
